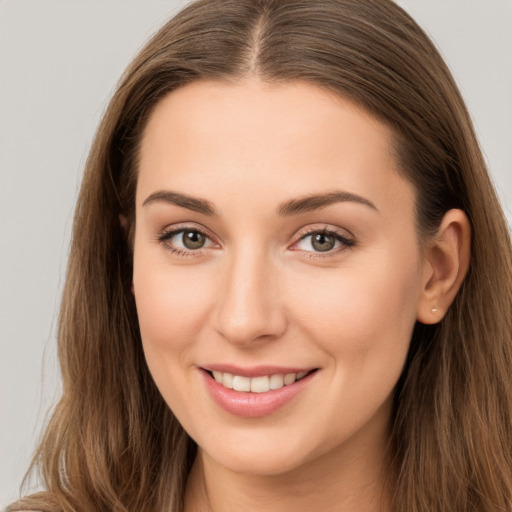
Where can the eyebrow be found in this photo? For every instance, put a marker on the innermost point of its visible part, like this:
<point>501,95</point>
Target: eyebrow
<point>286,209</point>
<point>318,201</point>
<point>191,203</point>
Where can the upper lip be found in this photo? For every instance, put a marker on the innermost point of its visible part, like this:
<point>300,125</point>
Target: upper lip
<point>256,371</point>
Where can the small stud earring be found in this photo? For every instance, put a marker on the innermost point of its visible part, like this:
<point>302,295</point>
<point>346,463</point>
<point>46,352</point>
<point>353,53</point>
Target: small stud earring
<point>434,310</point>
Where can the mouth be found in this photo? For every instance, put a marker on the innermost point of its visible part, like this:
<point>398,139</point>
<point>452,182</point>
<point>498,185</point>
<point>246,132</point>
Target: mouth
<point>257,384</point>
<point>255,392</point>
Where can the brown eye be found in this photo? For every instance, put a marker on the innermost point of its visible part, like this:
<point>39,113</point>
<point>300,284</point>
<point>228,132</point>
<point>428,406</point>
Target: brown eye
<point>185,240</point>
<point>322,242</point>
<point>193,240</point>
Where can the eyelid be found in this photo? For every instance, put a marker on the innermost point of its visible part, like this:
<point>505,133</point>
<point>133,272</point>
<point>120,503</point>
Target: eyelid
<point>324,228</point>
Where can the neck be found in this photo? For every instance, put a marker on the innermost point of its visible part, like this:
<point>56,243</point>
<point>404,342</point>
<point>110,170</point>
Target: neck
<point>348,479</point>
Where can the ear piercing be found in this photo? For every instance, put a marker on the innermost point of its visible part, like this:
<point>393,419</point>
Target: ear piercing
<point>434,310</point>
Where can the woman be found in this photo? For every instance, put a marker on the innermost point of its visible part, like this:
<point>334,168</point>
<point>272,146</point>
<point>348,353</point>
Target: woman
<point>290,279</point>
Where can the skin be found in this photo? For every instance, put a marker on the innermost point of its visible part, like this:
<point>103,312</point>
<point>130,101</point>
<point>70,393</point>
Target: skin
<point>258,293</point>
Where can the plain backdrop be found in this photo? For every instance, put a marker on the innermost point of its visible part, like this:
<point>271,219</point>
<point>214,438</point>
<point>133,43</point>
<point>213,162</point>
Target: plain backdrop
<point>59,63</point>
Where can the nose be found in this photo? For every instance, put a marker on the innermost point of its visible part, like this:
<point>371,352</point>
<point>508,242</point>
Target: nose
<point>250,309</point>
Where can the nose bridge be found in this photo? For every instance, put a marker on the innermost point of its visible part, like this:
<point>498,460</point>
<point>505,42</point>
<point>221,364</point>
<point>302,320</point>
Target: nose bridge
<point>249,306</point>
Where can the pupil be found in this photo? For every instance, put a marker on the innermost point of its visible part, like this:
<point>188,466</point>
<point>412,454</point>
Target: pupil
<point>323,242</point>
<point>193,240</point>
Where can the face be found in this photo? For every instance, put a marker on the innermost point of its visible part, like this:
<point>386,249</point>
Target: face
<point>277,271</point>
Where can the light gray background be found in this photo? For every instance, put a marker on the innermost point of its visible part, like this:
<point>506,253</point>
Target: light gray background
<point>59,63</point>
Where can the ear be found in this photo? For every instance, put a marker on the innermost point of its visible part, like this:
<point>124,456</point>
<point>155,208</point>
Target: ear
<point>445,266</point>
<point>123,221</point>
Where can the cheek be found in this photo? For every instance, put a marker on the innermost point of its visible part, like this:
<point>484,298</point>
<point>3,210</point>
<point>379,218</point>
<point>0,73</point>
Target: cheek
<point>157,301</point>
<point>362,318</point>
<point>172,307</point>
<point>368,306</point>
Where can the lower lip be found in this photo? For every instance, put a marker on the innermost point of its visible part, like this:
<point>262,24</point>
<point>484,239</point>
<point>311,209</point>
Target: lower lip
<point>254,405</point>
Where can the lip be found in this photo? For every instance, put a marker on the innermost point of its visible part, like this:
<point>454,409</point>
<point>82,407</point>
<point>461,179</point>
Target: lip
<point>253,405</point>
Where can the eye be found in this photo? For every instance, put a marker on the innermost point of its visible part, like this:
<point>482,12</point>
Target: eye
<point>184,241</point>
<point>190,239</point>
<point>324,241</point>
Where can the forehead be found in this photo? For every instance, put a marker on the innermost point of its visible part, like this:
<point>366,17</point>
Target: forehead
<point>251,140</point>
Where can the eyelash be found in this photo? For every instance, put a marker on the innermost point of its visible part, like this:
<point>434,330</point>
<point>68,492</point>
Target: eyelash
<point>346,243</point>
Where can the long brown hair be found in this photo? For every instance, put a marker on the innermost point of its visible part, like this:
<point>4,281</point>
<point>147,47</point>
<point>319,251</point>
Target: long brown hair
<point>112,443</point>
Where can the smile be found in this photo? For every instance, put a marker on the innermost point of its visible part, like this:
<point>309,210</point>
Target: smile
<point>258,391</point>
<point>261,384</point>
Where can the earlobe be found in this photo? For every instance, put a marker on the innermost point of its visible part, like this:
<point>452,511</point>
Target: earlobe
<point>446,264</point>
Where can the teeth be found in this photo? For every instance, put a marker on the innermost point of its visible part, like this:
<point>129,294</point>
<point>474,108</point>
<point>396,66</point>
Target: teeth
<point>260,384</point>
<point>256,384</point>
<point>276,381</point>
<point>289,378</point>
<point>241,383</point>
<point>227,380</point>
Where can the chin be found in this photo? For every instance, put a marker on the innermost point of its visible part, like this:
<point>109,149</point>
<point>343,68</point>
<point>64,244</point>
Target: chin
<point>257,462</point>
<point>262,456</point>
